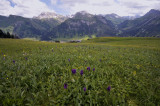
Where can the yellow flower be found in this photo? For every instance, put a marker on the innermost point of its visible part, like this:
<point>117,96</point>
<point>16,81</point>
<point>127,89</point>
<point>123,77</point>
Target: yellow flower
<point>138,67</point>
<point>134,73</point>
<point>4,55</point>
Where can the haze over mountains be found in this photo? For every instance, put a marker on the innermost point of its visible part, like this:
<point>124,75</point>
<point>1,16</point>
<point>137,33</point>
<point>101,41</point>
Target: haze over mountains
<point>49,25</point>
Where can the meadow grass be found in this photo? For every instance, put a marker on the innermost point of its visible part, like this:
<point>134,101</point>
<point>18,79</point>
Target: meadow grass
<point>116,71</point>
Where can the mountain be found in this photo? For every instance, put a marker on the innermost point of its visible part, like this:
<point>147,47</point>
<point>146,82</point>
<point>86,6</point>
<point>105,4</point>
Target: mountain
<point>51,15</point>
<point>145,26</point>
<point>131,17</point>
<point>49,25</point>
<point>82,24</point>
<point>115,18</point>
<point>26,27</point>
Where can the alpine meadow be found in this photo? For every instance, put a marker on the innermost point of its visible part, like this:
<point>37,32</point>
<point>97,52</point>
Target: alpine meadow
<point>79,52</point>
<point>99,71</point>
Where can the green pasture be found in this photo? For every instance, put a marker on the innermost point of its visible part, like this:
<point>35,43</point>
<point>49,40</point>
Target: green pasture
<point>127,72</point>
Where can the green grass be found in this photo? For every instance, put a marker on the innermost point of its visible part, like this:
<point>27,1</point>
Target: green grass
<point>32,39</point>
<point>131,66</point>
<point>74,38</point>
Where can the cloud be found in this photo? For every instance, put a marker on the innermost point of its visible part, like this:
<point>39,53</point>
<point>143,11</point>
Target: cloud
<point>5,7</point>
<point>30,8</point>
<point>54,2</point>
<point>139,6</point>
<point>26,8</point>
<point>120,7</point>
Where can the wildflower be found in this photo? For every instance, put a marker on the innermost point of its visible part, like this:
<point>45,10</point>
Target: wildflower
<point>81,72</point>
<point>4,55</point>
<point>88,68</point>
<point>26,58</point>
<point>73,71</point>
<point>134,73</point>
<point>84,89</point>
<point>138,67</point>
<point>73,80</point>
<point>93,69</point>
<point>65,86</point>
<point>109,88</point>
<point>14,61</point>
<point>100,60</point>
<point>52,49</point>
<point>69,60</point>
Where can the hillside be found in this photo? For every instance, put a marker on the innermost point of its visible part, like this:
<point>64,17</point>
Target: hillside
<point>115,19</point>
<point>48,26</point>
<point>83,24</point>
<point>145,26</point>
<point>7,35</point>
<point>26,27</point>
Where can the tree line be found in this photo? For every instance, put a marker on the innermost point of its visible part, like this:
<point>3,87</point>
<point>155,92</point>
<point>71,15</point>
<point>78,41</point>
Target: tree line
<point>7,35</point>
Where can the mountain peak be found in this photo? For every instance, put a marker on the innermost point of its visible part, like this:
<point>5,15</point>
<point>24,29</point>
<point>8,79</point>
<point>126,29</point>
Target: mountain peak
<point>51,15</point>
<point>82,14</point>
<point>153,12</point>
<point>48,15</point>
<point>113,15</point>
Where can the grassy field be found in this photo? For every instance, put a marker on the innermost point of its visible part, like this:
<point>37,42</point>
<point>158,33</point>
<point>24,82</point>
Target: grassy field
<point>100,71</point>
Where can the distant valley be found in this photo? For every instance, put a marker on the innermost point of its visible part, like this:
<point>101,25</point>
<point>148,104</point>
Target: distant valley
<point>49,26</point>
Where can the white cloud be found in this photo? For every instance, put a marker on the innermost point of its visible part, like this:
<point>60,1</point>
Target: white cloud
<point>30,8</point>
<point>26,8</point>
<point>5,7</point>
<point>54,2</point>
<point>139,6</point>
<point>121,7</point>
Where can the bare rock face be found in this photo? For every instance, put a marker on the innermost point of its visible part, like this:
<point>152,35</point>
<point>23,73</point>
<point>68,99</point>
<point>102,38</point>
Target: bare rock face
<point>51,15</point>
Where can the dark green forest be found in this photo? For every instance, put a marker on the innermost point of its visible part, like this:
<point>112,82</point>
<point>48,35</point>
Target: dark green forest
<point>7,35</point>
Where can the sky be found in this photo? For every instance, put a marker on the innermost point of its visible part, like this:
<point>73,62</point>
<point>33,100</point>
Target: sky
<point>30,8</point>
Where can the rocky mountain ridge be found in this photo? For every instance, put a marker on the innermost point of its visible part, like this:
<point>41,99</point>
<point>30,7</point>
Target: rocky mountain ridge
<point>48,26</point>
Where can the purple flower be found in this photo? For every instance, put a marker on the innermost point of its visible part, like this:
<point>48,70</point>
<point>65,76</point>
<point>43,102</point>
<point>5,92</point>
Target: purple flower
<point>65,86</point>
<point>69,60</point>
<point>14,61</point>
<point>93,69</point>
<point>84,89</point>
<point>26,58</point>
<point>73,71</point>
<point>81,72</point>
<point>100,60</point>
<point>109,88</point>
<point>88,68</point>
<point>4,58</point>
